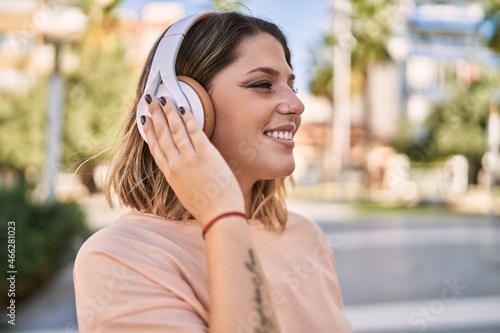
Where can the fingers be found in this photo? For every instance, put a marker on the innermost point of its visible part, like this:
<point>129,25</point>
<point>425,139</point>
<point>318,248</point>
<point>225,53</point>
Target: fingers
<point>196,134</point>
<point>180,134</point>
<point>157,132</point>
<point>171,132</point>
<point>169,128</point>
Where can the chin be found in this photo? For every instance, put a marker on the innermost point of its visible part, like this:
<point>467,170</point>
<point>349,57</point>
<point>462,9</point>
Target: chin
<point>279,172</point>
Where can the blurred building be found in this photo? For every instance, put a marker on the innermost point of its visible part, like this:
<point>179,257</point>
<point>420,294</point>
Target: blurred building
<point>435,42</point>
<point>25,53</point>
<point>446,44</point>
<point>19,39</point>
<point>25,29</point>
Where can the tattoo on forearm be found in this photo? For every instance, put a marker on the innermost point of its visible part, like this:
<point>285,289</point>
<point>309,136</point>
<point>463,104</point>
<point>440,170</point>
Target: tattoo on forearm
<point>265,322</point>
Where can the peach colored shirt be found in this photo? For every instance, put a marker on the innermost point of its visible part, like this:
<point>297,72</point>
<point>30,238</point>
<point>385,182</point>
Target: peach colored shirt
<point>149,274</point>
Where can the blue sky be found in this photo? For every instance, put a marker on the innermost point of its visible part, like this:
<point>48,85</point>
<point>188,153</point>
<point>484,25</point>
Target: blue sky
<point>303,21</point>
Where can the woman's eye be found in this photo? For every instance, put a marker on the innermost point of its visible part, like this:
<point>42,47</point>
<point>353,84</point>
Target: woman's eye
<point>295,90</point>
<point>262,84</point>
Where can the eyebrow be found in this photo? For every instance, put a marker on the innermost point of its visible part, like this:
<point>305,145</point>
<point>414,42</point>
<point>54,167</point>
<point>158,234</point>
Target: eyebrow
<point>270,71</point>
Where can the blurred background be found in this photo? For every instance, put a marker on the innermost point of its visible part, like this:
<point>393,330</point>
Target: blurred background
<point>397,157</point>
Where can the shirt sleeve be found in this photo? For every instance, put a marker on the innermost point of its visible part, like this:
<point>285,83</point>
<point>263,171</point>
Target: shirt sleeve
<point>117,295</point>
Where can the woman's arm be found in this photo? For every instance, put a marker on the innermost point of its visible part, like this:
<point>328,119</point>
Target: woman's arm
<point>238,292</point>
<point>206,186</point>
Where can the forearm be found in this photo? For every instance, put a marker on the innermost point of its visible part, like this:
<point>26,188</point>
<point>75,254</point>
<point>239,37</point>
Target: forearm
<point>238,291</point>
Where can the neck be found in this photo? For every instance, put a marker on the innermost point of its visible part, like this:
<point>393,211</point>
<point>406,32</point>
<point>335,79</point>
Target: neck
<point>246,189</point>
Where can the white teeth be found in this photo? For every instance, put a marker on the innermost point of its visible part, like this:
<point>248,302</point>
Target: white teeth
<point>280,135</point>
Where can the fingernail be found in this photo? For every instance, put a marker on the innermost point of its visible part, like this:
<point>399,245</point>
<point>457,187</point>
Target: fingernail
<point>143,119</point>
<point>182,110</point>
<point>163,101</point>
<point>148,98</point>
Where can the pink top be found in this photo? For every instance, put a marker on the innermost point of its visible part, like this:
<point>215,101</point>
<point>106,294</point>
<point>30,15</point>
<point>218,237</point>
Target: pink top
<point>145,274</point>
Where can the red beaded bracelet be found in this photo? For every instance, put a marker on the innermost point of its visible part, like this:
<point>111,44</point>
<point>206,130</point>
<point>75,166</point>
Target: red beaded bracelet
<point>217,218</point>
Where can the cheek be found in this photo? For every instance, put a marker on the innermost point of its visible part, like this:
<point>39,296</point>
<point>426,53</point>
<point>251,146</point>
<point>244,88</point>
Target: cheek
<point>238,119</point>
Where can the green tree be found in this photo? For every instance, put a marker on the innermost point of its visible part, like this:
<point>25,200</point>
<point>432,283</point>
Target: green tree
<point>22,128</point>
<point>227,5</point>
<point>371,29</point>
<point>493,16</point>
<point>94,104</point>
<point>457,126</point>
<point>321,83</point>
<point>97,92</point>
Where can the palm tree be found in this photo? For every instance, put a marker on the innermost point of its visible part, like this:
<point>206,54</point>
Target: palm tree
<point>321,83</point>
<point>371,29</point>
<point>493,16</point>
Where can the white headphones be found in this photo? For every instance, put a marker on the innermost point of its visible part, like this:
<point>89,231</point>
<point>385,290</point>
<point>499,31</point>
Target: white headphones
<point>181,90</point>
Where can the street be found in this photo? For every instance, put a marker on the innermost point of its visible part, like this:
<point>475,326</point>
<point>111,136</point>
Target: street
<point>418,272</point>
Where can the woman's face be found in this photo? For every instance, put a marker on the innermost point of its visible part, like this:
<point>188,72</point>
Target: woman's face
<point>257,111</point>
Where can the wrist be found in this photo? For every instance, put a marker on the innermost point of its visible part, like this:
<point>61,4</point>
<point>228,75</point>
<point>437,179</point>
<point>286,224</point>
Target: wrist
<point>207,215</point>
<point>230,214</point>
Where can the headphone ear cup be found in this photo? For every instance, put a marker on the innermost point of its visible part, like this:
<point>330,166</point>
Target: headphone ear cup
<point>206,103</point>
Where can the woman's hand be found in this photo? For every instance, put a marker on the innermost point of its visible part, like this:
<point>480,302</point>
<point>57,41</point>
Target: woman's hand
<point>194,168</point>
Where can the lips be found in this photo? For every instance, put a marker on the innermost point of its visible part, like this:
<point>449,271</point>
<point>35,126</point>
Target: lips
<point>282,135</point>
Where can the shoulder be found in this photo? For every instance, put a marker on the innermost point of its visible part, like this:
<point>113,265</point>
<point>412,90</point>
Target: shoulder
<point>140,267</point>
<point>302,223</point>
<point>300,229</point>
<point>139,239</point>
<point>116,237</point>
<point>108,247</point>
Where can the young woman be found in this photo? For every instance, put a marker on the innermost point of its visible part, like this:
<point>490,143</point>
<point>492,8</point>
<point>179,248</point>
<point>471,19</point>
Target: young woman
<point>209,245</point>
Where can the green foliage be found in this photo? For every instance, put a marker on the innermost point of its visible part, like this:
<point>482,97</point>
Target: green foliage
<point>97,93</point>
<point>96,97</point>
<point>47,236</point>
<point>227,5</point>
<point>371,28</point>
<point>92,7</point>
<point>493,16</point>
<point>22,128</point>
<point>321,83</point>
<point>458,126</point>
<point>95,103</point>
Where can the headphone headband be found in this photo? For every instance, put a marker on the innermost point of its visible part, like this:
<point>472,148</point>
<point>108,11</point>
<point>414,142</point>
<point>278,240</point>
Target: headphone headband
<point>170,43</point>
<point>163,67</point>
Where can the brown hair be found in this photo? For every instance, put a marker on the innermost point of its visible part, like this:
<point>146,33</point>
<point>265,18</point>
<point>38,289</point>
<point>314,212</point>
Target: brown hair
<point>209,46</point>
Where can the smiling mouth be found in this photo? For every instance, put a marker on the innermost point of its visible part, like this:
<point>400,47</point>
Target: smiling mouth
<point>284,135</point>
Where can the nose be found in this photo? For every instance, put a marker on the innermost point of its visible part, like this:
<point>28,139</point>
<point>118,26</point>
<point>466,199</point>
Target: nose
<point>291,105</point>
